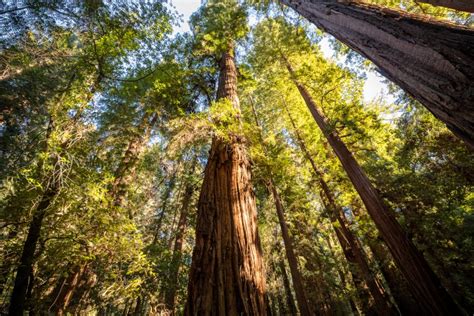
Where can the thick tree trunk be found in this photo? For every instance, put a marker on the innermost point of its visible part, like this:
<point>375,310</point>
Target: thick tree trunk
<point>179,240</point>
<point>351,246</point>
<point>301,299</point>
<point>425,284</point>
<point>432,61</point>
<point>460,5</point>
<point>227,275</point>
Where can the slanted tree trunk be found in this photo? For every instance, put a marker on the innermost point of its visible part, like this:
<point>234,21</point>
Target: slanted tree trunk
<point>301,299</point>
<point>67,290</point>
<point>426,287</point>
<point>396,282</point>
<point>52,186</point>
<point>227,276</point>
<point>432,61</point>
<point>20,288</point>
<point>460,5</point>
<point>351,246</point>
<point>179,239</point>
<point>126,169</point>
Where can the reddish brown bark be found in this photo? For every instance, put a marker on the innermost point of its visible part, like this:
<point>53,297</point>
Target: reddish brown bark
<point>425,285</point>
<point>66,290</point>
<point>227,275</point>
<point>460,5</point>
<point>431,60</point>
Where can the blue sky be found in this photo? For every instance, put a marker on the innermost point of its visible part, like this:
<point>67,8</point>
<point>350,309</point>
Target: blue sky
<point>373,88</point>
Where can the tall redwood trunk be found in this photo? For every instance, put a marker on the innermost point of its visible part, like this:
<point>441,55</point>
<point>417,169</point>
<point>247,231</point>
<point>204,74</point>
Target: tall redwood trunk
<point>179,240</point>
<point>301,299</point>
<point>426,287</point>
<point>432,61</point>
<point>227,275</point>
<point>461,5</point>
<point>351,246</point>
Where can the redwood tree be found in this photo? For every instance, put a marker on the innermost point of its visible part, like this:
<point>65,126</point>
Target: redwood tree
<point>425,285</point>
<point>227,274</point>
<point>431,60</point>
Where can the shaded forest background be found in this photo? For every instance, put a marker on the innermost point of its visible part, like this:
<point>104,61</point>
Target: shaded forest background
<point>107,121</point>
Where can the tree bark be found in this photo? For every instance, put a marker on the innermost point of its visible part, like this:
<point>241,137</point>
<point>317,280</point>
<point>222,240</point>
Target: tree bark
<point>227,276</point>
<point>396,282</point>
<point>301,299</point>
<point>179,240</point>
<point>460,5</point>
<point>67,290</point>
<point>432,61</point>
<point>426,287</point>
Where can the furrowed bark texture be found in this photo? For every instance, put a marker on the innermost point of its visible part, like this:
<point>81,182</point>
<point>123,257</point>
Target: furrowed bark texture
<point>426,287</point>
<point>290,255</point>
<point>227,275</point>
<point>460,5</point>
<point>432,61</point>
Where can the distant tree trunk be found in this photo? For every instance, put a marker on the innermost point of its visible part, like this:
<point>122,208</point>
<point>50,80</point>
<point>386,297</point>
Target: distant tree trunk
<point>138,307</point>
<point>323,302</point>
<point>396,281</point>
<point>290,254</point>
<point>431,60</point>
<point>289,295</point>
<point>425,284</point>
<point>20,288</point>
<point>460,5</point>
<point>341,273</point>
<point>227,276</point>
<point>351,246</point>
<point>67,290</point>
<point>126,169</point>
<point>289,249</point>
<point>165,198</point>
<point>179,239</point>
